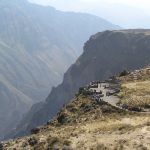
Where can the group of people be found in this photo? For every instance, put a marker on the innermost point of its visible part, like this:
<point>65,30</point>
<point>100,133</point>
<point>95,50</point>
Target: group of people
<point>98,96</point>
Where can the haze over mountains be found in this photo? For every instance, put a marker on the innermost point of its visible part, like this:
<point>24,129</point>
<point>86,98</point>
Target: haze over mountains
<point>105,54</point>
<point>37,45</point>
<point>125,13</point>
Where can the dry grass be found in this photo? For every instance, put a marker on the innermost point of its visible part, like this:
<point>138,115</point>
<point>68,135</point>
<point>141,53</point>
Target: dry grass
<point>136,94</point>
<point>101,132</point>
<point>135,91</point>
<point>89,125</point>
<point>114,134</point>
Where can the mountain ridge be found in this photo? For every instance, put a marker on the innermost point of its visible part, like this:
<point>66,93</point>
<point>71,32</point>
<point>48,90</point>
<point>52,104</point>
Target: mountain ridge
<point>37,45</point>
<point>105,54</point>
<point>90,123</point>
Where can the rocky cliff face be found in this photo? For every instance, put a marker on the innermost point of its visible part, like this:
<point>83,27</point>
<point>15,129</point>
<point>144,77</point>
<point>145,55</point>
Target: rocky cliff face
<point>37,45</point>
<point>105,54</point>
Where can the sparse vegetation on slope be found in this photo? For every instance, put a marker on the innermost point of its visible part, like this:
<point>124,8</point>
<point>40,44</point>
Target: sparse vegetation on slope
<point>86,124</point>
<point>105,54</point>
<point>135,90</point>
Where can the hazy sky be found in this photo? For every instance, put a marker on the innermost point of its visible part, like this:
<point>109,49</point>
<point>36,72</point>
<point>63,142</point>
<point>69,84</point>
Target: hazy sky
<point>126,13</point>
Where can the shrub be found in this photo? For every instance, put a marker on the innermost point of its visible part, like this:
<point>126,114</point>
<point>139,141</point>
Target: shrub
<point>101,147</point>
<point>32,141</point>
<point>35,131</point>
<point>62,118</point>
<point>147,106</point>
<point>124,73</point>
<point>137,109</point>
<point>52,142</point>
<point>67,142</point>
<point>81,89</point>
<point>125,127</point>
<point>147,123</point>
<point>1,146</point>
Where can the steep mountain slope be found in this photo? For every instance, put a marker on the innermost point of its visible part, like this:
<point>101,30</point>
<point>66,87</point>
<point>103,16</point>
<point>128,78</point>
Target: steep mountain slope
<point>105,54</point>
<point>37,45</point>
<point>86,123</point>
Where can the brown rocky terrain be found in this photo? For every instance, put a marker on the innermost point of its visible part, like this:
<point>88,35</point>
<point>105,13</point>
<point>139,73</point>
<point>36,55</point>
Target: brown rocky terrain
<point>86,124</point>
